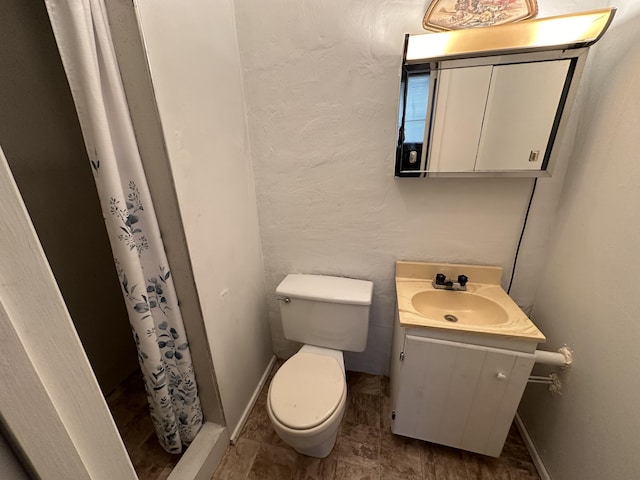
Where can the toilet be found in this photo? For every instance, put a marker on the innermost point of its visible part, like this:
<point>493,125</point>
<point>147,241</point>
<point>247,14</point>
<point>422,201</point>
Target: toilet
<point>308,394</point>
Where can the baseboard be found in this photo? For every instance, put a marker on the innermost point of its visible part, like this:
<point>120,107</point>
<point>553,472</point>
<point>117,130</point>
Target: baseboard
<point>202,457</point>
<point>535,456</point>
<point>252,401</point>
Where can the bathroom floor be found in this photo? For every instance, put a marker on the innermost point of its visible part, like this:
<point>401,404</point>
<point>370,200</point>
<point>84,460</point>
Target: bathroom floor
<point>366,449</point>
<point>128,406</point>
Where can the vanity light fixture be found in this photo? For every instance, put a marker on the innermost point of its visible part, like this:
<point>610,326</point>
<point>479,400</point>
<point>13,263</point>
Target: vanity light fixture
<point>570,31</point>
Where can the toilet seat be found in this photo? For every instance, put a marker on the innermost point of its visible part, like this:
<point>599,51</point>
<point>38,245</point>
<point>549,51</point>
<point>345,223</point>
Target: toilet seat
<point>307,390</point>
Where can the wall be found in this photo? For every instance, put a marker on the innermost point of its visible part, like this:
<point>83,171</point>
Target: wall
<point>41,137</point>
<point>588,294</point>
<point>322,82</point>
<point>195,69</point>
<point>10,465</point>
<point>134,71</point>
<point>49,395</point>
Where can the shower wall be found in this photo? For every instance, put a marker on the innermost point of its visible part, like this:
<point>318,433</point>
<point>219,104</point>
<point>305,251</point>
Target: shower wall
<point>195,68</point>
<point>139,90</point>
<point>41,138</point>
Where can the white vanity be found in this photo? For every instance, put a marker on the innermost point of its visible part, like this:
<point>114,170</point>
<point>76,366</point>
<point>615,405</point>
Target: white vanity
<point>460,359</point>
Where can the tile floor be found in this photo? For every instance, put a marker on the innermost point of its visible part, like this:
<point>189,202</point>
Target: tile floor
<point>366,449</point>
<point>128,406</point>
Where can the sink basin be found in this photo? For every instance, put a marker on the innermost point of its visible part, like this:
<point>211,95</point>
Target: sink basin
<point>482,313</point>
<point>460,307</point>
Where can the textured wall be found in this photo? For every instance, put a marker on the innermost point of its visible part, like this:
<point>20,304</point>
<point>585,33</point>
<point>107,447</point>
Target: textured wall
<point>321,82</point>
<point>588,295</point>
<point>195,68</point>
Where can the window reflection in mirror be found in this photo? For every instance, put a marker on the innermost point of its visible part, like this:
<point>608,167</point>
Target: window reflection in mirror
<point>413,120</point>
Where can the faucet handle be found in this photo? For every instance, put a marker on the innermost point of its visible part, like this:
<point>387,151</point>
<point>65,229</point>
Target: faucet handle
<point>441,278</point>
<point>462,280</point>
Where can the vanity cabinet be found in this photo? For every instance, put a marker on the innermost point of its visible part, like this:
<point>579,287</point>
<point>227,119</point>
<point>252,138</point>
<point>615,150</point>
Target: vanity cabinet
<point>458,394</point>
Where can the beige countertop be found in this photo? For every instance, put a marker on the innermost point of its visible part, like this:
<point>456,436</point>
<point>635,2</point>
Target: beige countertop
<point>415,277</point>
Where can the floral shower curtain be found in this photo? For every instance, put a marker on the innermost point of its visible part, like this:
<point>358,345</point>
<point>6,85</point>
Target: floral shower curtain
<point>84,40</point>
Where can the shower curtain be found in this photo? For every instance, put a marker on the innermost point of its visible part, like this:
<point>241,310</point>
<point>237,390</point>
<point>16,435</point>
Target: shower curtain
<point>84,40</point>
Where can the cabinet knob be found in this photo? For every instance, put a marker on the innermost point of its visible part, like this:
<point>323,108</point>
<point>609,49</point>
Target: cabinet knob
<point>501,376</point>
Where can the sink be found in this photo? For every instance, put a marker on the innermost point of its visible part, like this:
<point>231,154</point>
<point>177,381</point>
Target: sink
<point>460,307</point>
<point>482,313</point>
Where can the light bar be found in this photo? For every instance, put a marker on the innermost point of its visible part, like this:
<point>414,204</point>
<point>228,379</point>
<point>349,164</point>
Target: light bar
<point>575,30</point>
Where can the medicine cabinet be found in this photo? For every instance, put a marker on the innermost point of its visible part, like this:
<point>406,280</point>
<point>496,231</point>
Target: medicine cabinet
<point>491,101</point>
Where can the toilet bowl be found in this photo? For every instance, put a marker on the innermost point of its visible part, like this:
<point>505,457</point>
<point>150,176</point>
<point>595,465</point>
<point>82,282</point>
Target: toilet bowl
<point>307,399</point>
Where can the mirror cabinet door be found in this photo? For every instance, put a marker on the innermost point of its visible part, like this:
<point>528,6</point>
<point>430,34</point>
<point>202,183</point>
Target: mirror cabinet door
<point>458,116</point>
<point>522,105</point>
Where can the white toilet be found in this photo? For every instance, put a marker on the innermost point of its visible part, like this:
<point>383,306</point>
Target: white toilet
<point>308,394</point>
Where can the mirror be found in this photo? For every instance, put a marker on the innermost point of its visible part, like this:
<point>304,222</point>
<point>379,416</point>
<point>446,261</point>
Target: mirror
<point>495,111</point>
<point>481,119</point>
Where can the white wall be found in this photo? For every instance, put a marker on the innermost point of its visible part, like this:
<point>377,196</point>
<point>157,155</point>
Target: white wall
<point>588,295</point>
<point>195,68</point>
<point>322,81</point>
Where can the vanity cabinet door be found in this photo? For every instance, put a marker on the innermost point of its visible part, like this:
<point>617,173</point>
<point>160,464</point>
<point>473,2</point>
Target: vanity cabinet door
<point>457,394</point>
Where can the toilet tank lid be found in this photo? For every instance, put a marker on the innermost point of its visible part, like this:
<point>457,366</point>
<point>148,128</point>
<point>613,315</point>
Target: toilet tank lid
<point>326,289</point>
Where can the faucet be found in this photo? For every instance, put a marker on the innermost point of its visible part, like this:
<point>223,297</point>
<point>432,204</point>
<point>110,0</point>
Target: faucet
<point>442,282</point>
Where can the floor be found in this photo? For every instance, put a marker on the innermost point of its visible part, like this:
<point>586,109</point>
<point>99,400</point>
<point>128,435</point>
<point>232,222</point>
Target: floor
<point>128,406</point>
<point>366,449</point>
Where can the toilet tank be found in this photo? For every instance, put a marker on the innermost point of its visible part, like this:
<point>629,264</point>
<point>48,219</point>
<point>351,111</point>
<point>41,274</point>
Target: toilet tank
<point>330,312</point>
